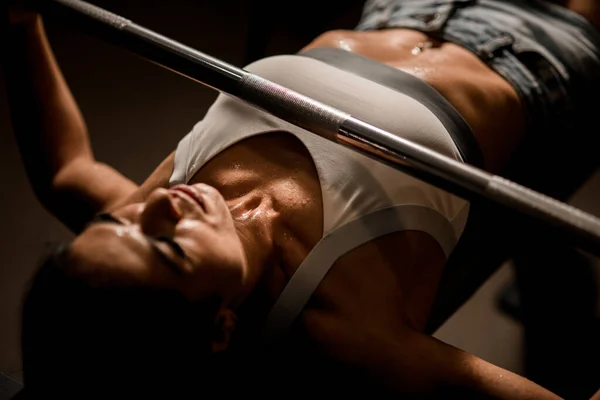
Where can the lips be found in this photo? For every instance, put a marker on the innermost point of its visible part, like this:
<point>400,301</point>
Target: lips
<point>193,194</point>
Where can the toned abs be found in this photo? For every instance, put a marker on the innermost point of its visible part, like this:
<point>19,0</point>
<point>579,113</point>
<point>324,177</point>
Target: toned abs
<point>489,104</point>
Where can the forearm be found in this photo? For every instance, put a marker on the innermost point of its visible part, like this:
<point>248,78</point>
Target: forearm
<point>51,133</point>
<point>48,125</point>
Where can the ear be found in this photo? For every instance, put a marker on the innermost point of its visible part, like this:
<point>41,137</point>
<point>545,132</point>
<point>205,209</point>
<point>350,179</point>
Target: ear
<point>225,323</point>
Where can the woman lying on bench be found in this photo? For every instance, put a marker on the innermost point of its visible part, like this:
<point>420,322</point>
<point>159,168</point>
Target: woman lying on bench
<point>189,281</point>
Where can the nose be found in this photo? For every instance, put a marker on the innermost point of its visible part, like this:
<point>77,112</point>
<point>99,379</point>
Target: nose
<point>160,214</point>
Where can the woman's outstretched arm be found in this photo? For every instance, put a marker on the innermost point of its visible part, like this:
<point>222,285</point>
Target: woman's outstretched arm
<point>50,130</point>
<point>410,363</point>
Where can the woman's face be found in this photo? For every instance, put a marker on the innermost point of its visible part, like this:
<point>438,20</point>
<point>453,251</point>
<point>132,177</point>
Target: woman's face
<point>181,238</point>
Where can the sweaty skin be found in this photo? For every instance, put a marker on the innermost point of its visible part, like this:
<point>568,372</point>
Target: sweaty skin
<point>279,196</point>
<point>489,104</point>
<point>288,206</point>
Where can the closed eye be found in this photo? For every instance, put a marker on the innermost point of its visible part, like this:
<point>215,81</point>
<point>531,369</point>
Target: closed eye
<point>173,244</point>
<point>105,217</point>
<point>175,247</point>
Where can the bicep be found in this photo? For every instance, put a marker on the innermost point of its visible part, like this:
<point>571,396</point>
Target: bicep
<point>405,361</point>
<point>83,188</point>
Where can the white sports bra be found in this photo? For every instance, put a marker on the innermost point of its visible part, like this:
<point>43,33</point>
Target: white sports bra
<point>362,198</point>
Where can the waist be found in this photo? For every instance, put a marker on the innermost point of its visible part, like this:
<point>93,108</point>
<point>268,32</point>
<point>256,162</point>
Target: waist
<point>488,103</point>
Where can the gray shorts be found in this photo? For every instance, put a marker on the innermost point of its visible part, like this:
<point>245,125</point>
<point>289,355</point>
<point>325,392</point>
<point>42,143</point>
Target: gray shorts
<point>549,54</point>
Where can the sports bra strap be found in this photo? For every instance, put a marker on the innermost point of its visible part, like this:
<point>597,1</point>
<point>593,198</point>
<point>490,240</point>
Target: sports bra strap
<point>345,238</point>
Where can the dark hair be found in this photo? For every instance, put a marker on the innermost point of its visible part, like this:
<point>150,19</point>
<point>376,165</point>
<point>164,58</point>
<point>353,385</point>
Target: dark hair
<point>83,341</point>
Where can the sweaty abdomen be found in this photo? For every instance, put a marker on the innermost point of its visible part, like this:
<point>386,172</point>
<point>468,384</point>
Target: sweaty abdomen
<point>488,103</point>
